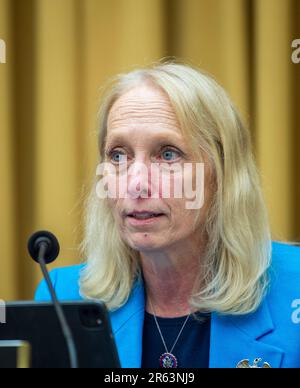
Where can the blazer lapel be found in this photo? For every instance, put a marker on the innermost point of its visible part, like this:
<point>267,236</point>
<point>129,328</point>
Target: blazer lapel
<point>236,338</point>
<point>127,326</point>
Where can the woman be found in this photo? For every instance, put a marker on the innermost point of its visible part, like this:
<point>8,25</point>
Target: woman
<point>188,284</point>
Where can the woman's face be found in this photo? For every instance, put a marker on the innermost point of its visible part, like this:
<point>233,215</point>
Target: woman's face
<point>144,141</point>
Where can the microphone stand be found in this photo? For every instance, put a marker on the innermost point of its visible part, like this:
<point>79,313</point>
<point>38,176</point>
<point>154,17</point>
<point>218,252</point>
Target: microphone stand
<point>43,247</point>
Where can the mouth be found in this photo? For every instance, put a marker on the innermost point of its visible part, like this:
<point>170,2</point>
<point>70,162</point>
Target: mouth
<point>144,214</point>
<point>140,218</point>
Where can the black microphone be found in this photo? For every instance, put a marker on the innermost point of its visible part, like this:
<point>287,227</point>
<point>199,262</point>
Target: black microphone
<point>43,247</point>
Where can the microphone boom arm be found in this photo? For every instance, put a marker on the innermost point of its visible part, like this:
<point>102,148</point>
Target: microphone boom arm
<point>43,247</point>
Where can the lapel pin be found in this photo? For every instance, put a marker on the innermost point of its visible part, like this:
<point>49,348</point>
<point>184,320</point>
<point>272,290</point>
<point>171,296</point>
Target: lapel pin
<point>246,364</point>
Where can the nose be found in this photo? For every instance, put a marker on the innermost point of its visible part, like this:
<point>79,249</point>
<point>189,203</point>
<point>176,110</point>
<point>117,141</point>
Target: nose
<point>139,180</point>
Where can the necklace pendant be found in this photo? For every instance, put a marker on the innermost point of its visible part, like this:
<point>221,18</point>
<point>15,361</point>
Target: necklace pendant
<point>168,360</point>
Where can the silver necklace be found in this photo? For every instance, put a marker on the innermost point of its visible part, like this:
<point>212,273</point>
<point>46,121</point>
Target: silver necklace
<point>168,359</point>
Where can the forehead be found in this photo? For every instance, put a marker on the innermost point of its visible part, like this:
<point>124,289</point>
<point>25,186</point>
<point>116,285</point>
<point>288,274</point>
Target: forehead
<point>144,107</point>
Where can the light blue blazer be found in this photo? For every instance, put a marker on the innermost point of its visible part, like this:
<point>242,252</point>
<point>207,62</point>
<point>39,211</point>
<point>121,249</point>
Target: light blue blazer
<point>271,333</point>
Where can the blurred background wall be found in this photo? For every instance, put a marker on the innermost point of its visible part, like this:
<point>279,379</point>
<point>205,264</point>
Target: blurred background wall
<point>60,52</point>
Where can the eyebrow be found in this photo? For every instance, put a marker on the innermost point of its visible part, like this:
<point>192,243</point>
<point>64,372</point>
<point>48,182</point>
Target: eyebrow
<point>172,137</point>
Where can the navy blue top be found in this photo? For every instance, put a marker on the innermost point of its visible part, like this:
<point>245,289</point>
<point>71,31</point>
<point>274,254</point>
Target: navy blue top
<point>192,349</point>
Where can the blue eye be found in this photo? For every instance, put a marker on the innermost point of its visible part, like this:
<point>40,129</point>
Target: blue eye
<point>117,157</point>
<point>168,155</point>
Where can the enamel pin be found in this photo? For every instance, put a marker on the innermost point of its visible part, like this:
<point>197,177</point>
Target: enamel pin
<point>256,364</point>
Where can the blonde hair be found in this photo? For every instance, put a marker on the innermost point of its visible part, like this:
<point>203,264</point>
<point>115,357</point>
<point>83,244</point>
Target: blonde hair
<point>233,278</point>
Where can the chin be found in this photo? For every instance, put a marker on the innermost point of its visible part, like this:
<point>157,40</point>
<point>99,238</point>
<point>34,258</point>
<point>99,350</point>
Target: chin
<point>146,242</point>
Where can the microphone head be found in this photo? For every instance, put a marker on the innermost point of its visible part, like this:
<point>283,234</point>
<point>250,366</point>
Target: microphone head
<point>48,238</point>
